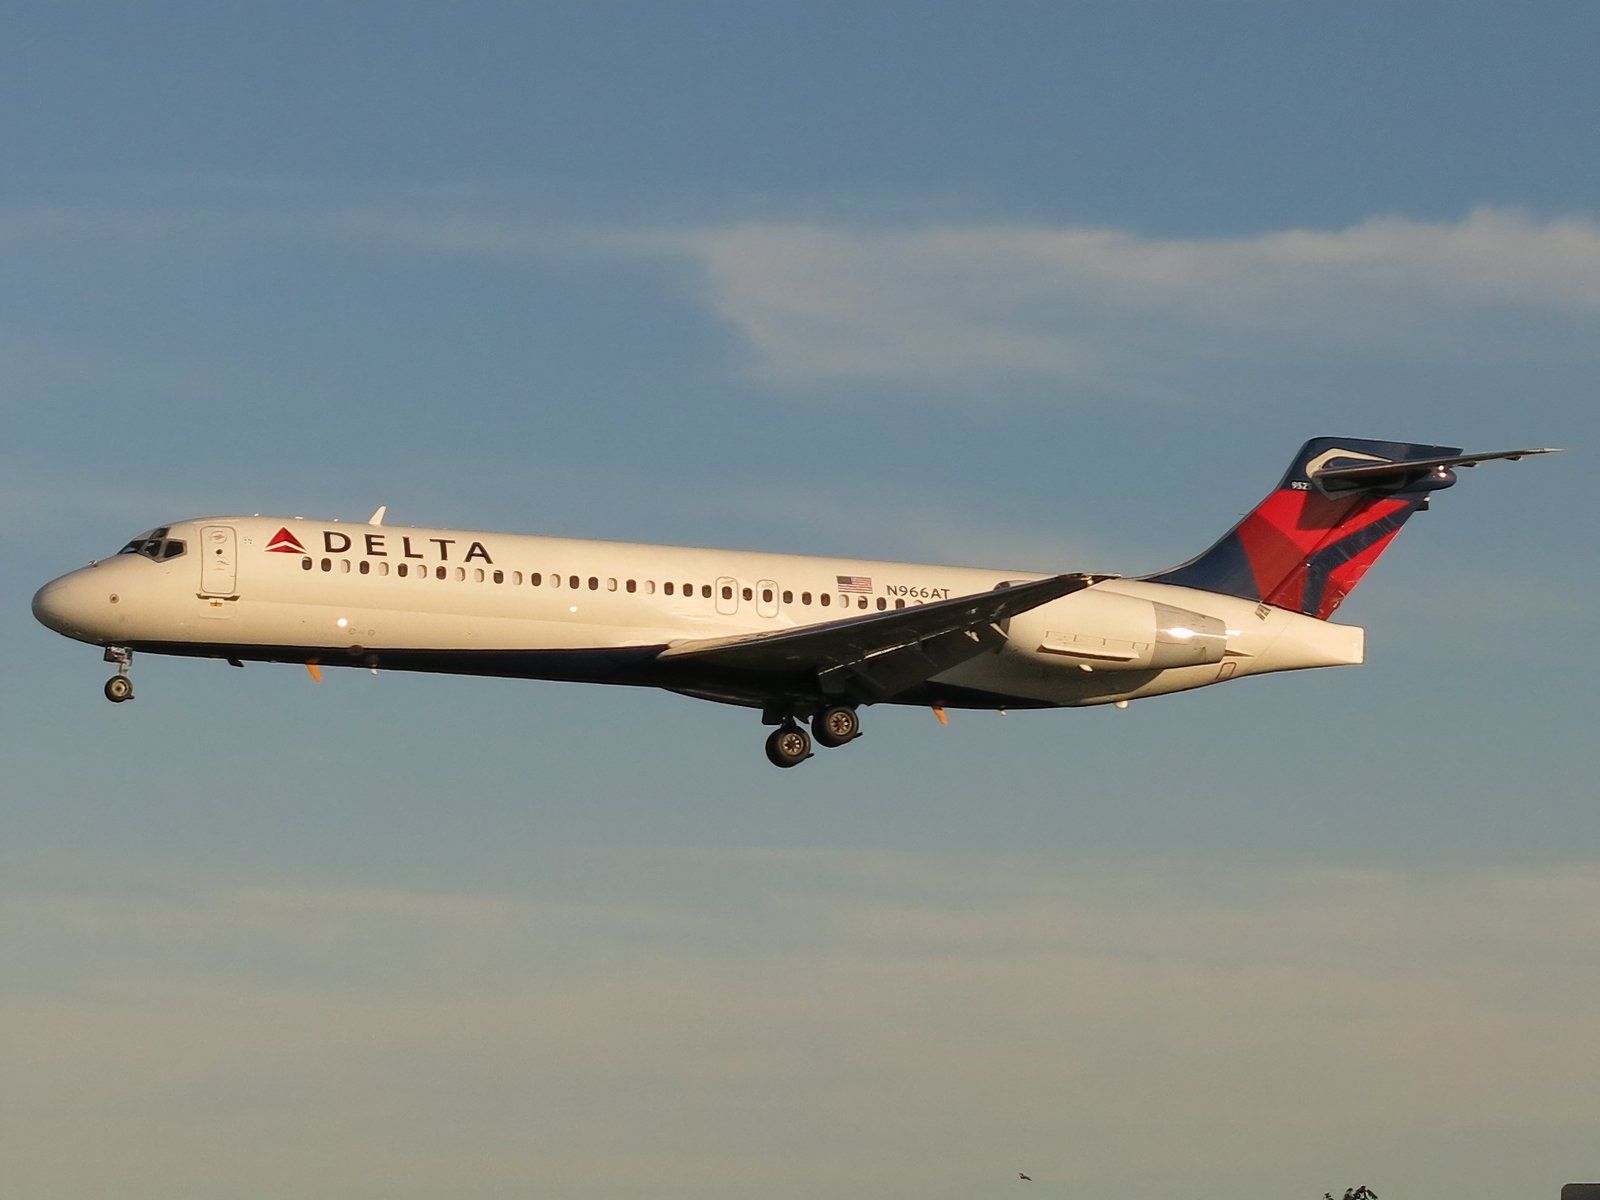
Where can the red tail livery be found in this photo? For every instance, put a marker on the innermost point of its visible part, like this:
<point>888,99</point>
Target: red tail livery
<point>1307,545</point>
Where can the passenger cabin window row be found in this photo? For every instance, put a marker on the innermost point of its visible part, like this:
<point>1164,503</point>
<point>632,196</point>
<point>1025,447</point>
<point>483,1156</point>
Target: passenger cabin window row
<point>593,583</point>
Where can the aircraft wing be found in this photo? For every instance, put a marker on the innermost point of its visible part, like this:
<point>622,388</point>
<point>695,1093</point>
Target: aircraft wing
<point>876,655</point>
<point>1407,471</point>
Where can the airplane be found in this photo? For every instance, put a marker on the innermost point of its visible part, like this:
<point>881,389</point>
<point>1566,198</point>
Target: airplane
<point>801,639</point>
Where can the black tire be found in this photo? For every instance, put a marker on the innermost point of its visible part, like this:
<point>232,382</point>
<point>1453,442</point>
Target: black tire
<point>119,688</point>
<point>788,746</point>
<point>836,725</point>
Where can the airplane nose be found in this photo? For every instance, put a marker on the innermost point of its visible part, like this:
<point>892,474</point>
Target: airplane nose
<point>62,605</point>
<point>47,605</point>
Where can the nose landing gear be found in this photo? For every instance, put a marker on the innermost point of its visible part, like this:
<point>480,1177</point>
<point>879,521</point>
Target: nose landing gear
<point>119,687</point>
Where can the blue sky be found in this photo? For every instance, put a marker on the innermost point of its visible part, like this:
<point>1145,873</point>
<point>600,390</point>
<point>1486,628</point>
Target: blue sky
<point>1033,286</point>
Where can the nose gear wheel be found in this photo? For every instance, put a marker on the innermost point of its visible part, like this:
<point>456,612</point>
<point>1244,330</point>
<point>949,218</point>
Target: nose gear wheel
<point>119,687</point>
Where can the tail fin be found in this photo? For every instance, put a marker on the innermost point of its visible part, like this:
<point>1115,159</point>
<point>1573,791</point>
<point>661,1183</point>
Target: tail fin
<point>1307,545</point>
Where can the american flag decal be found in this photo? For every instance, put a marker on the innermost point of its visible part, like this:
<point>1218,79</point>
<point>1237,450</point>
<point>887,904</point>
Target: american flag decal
<point>855,584</point>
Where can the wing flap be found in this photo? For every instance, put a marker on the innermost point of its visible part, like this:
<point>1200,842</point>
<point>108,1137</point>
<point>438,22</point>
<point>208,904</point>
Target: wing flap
<point>881,675</point>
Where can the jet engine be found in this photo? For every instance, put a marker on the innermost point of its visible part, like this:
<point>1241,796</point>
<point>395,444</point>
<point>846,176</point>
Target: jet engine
<point>1107,631</point>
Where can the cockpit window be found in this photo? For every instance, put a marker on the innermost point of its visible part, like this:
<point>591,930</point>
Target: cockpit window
<point>155,545</point>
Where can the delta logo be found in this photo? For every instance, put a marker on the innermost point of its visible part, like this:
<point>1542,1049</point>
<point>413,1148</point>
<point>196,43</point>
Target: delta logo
<point>284,542</point>
<point>377,544</point>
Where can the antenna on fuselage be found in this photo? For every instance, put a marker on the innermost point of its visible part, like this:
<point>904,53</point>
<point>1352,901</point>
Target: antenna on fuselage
<point>377,517</point>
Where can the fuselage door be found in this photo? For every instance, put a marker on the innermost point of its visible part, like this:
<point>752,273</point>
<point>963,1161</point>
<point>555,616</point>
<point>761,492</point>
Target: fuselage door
<point>727,595</point>
<point>219,562</point>
<point>767,598</point>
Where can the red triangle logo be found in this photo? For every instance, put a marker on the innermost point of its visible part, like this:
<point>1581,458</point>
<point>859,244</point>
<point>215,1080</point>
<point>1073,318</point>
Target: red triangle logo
<point>284,542</point>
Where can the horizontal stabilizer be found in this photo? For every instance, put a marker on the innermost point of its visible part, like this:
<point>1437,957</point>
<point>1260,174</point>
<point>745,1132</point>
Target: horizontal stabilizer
<point>1395,476</point>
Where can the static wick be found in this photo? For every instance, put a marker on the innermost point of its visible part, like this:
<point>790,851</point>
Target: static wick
<point>314,671</point>
<point>938,711</point>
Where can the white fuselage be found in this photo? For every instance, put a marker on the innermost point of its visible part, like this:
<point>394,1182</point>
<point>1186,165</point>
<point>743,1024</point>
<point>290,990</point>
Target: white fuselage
<point>538,607</point>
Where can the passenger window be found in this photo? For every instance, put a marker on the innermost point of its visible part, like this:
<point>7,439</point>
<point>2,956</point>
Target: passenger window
<point>305,564</point>
<point>705,591</point>
<point>825,599</point>
<point>882,604</point>
<point>572,582</point>
<point>649,587</point>
<point>461,574</point>
<point>365,568</point>
<point>478,575</point>
<point>899,603</point>
<point>499,576</point>
<point>633,585</point>
<point>666,588</point>
<point>805,597</point>
<point>747,595</point>
<point>611,585</point>
<point>400,570</point>
<point>788,597</point>
<point>383,568</point>
<point>327,564</point>
<point>516,578</point>
<point>442,573</point>
<point>536,578</point>
<point>861,601</point>
<point>344,566</point>
<point>727,592</point>
<point>594,583</point>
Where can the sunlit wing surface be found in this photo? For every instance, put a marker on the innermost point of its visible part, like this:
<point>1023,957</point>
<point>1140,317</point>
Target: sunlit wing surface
<point>883,653</point>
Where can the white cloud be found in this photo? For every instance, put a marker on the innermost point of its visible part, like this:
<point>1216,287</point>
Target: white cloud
<point>1113,307</point>
<point>939,304</point>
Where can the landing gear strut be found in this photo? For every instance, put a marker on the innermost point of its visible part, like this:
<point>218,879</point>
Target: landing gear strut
<point>119,687</point>
<point>788,745</point>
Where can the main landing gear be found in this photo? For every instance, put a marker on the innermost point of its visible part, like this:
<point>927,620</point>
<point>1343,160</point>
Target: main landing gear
<point>789,745</point>
<point>119,687</point>
<point>836,725</point>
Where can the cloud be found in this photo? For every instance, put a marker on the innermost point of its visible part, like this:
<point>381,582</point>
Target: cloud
<point>1111,307</point>
<point>967,304</point>
<point>829,1021</point>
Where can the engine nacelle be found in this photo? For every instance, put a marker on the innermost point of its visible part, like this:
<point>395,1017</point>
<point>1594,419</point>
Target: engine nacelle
<point>1107,631</point>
